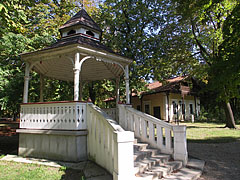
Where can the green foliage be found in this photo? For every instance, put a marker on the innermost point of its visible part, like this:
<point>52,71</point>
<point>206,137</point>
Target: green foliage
<point>28,26</point>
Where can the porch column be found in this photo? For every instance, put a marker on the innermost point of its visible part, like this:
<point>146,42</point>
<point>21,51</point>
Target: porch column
<point>117,90</point>
<point>76,71</point>
<point>127,85</point>
<point>81,90</point>
<point>41,87</point>
<point>26,83</point>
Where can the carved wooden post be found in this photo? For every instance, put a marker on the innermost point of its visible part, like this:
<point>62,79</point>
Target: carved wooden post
<point>26,83</point>
<point>76,71</point>
<point>117,90</point>
<point>127,85</point>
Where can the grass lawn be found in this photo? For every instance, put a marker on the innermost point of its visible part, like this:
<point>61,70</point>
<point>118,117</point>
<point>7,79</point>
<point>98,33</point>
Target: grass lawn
<point>20,171</point>
<point>211,133</point>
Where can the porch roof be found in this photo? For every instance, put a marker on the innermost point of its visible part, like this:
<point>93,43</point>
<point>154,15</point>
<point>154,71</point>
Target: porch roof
<point>57,60</point>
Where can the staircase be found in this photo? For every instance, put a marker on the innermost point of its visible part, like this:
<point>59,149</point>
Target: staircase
<point>151,164</point>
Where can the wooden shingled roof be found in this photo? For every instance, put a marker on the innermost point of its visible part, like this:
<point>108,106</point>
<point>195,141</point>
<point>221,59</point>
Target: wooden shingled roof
<point>77,39</point>
<point>81,18</point>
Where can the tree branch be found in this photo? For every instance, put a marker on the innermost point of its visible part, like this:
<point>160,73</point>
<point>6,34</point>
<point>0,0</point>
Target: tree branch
<point>203,51</point>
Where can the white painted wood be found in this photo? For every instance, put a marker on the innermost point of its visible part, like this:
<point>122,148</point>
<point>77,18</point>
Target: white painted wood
<point>117,90</point>
<point>76,76</point>
<point>127,85</point>
<point>68,116</point>
<point>26,83</point>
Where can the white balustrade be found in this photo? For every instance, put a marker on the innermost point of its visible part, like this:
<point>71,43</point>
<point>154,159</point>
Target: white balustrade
<point>111,112</point>
<point>170,139</point>
<point>109,145</point>
<point>59,115</point>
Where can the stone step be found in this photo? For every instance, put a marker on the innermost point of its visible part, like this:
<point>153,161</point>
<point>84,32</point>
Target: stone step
<point>185,174</point>
<point>145,164</point>
<point>140,146</point>
<point>162,157</point>
<point>147,176</point>
<point>165,169</point>
<point>147,153</point>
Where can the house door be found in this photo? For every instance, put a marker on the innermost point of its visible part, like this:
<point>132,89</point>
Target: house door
<point>157,112</point>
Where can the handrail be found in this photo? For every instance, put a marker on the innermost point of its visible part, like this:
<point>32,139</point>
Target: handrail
<point>109,145</point>
<point>169,138</point>
<point>150,118</point>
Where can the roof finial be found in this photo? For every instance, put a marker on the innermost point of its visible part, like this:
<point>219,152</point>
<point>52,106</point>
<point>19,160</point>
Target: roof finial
<point>82,6</point>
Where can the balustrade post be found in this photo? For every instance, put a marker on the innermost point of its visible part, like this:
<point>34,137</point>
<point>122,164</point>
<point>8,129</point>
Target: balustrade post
<point>180,144</point>
<point>123,155</point>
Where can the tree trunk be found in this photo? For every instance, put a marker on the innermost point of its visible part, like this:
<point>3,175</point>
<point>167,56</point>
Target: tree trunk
<point>230,122</point>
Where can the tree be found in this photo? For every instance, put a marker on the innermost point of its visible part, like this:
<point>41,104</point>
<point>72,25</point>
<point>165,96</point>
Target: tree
<point>28,26</point>
<point>213,24</point>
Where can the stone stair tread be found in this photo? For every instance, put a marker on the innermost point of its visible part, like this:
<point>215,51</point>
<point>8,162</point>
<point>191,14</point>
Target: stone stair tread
<point>165,170</point>
<point>185,174</point>
<point>140,146</point>
<point>195,164</point>
<point>146,176</point>
<point>175,164</point>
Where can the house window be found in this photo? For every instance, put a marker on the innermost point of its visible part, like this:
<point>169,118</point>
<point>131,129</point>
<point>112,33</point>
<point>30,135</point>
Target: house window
<point>174,107</point>
<point>71,32</point>
<point>147,108</point>
<point>191,108</point>
<point>139,107</point>
<point>157,112</point>
<point>90,33</point>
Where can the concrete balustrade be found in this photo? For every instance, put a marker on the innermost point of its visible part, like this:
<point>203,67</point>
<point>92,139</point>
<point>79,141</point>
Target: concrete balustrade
<point>112,112</point>
<point>109,145</point>
<point>170,139</point>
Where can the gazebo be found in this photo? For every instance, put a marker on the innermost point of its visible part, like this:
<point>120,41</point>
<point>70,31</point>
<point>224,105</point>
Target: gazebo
<point>79,57</point>
<point>76,130</point>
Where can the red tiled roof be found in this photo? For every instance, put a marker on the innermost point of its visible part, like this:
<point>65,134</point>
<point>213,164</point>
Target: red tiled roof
<point>172,85</point>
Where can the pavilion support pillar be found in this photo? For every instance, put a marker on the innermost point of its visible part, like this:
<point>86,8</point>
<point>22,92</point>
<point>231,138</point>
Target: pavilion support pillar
<point>26,83</point>
<point>41,87</point>
<point>76,71</point>
<point>81,90</point>
<point>117,90</point>
<point>127,85</point>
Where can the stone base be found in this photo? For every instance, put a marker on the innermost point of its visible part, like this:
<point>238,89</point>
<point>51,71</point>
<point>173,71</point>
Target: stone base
<point>53,144</point>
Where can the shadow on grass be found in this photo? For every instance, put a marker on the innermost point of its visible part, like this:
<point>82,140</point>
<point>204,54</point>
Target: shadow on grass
<point>9,145</point>
<point>72,174</point>
<point>203,127</point>
<point>215,140</point>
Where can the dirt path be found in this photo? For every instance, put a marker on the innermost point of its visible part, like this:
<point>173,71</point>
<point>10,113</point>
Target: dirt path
<point>222,159</point>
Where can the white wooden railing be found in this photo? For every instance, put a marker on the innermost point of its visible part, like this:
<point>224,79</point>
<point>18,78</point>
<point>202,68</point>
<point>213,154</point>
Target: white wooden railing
<point>109,145</point>
<point>170,139</point>
<point>53,115</point>
<point>111,112</point>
